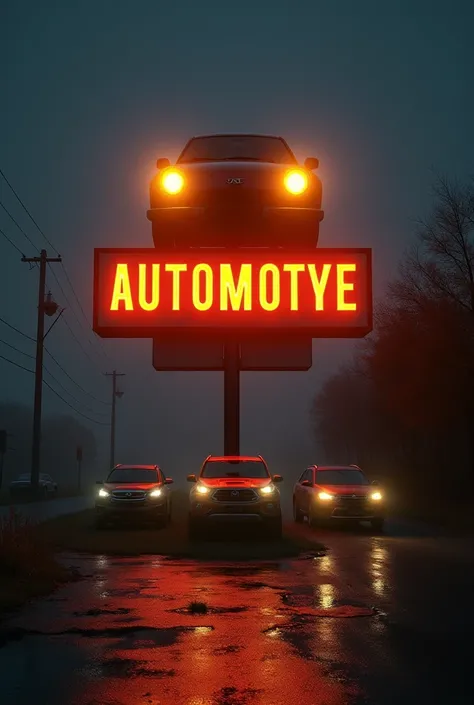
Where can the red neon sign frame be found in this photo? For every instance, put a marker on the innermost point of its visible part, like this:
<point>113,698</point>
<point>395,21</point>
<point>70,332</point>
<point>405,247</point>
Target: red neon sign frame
<point>139,293</point>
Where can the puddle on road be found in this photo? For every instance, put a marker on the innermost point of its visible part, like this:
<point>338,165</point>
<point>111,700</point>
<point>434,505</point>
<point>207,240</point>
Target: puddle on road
<point>129,637</point>
<point>244,569</point>
<point>97,612</point>
<point>234,696</point>
<point>209,610</point>
<point>254,585</point>
<point>129,668</point>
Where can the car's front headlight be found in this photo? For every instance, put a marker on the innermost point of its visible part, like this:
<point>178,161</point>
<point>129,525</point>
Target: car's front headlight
<point>202,489</point>
<point>172,181</point>
<point>296,181</point>
<point>377,496</point>
<point>155,493</point>
<point>103,493</point>
<point>325,496</point>
<point>268,489</point>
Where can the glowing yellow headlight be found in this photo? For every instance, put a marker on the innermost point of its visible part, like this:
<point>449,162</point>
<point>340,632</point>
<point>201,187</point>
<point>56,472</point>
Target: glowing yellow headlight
<point>202,489</point>
<point>376,495</point>
<point>296,181</point>
<point>155,493</point>
<point>268,489</point>
<point>325,496</point>
<point>172,181</point>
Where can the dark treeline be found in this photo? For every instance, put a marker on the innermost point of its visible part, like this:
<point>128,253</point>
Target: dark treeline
<point>404,407</point>
<point>59,439</point>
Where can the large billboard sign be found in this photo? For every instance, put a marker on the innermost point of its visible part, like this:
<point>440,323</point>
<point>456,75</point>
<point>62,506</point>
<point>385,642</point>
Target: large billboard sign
<point>319,293</point>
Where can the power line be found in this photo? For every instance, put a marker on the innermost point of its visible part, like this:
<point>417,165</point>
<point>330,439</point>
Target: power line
<point>17,330</point>
<point>28,337</point>
<point>100,423</point>
<point>94,362</point>
<point>78,401</point>
<point>106,356</point>
<point>28,212</point>
<point>16,364</point>
<point>12,243</point>
<point>107,403</point>
<point>82,309</point>
<point>4,342</point>
<point>19,226</point>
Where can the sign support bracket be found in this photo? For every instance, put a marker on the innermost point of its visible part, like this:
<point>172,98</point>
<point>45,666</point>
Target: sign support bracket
<point>231,398</point>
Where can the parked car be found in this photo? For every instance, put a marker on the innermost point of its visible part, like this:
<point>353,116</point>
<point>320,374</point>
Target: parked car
<point>138,492</point>
<point>21,487</point>
<point>234,489</point>
<point>248,189</point>
<point>342,492</point>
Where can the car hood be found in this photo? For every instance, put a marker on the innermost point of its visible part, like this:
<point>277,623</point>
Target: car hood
<point>235,482</point>
<point>359,490</point>
<point>145,486</point>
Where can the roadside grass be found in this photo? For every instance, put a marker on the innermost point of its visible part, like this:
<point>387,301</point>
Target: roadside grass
<point>28,567</point>
<point>76,532</point>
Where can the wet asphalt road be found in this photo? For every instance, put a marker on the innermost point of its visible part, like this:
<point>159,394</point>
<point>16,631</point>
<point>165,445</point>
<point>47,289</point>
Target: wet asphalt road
<point>379,620</point>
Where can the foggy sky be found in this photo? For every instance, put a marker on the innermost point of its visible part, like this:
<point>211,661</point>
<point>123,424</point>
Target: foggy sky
<point>93,92</point>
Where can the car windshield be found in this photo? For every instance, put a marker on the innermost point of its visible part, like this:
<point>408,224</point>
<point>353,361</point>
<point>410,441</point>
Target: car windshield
<point>216,148</point>
<point>341,477</point>
<point>133,475</point>
<point>235,468</point>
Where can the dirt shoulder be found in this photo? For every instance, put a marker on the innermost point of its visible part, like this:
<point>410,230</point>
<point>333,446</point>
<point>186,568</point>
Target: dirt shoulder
<point>76,532</point>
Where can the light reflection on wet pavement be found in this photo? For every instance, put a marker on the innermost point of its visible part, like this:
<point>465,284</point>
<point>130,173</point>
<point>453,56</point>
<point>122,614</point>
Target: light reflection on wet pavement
<point>377,620</point>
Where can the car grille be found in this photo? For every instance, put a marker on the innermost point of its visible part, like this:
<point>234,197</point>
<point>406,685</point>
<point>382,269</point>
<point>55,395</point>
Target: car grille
<point>127,495</point>
<point>235,495</point>
<point>353,505</point>
<point>225,200</point>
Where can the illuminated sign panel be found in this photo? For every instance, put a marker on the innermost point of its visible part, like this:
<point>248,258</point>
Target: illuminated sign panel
<point>322,293</point>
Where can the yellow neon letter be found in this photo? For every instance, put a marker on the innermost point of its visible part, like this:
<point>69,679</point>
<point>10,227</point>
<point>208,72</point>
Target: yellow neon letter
<point>155,287</point>
<point>229,292</point>
<point>343,286</point>
<point>176,270</point>
<point>264,302</point>
<point>319,285</point>
<point>208,296</point>
<point>122,291</point>
<point>294,270</point>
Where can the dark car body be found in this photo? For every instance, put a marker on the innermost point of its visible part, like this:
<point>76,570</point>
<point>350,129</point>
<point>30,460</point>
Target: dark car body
<point>337,492</point>
<point>234,195</point>
<point>21,487</point>
<point>134,492</point>
<point>236,489</point>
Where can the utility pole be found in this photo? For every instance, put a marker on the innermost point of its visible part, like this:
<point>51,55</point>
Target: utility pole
<point>115,393</point>
<point>3,450</point>
<point>42,260</point>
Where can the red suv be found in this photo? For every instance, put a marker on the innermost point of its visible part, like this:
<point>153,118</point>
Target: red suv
<point>234,488</point>
<point>337,492</point>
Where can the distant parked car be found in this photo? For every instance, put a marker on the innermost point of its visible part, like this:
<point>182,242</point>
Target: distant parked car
<point>21,487</point>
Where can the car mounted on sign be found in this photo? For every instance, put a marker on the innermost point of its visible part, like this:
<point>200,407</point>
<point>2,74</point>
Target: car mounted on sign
<point>235,227</point>
<point>236,190</point>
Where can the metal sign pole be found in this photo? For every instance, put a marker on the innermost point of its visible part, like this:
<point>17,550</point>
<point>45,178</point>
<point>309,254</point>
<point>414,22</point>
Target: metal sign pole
<point>231,398</point>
